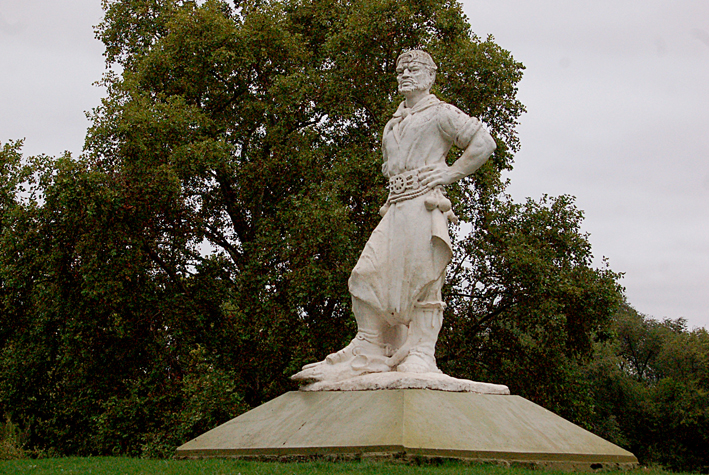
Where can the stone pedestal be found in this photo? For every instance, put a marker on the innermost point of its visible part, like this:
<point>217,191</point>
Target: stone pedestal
<point>409,423</point>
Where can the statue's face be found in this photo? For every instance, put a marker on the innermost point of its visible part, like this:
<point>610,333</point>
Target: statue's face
<point>413,76</point>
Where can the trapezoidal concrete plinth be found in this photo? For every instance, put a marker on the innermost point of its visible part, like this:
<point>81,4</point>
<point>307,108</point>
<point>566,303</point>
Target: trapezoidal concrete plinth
<point>408,422</point>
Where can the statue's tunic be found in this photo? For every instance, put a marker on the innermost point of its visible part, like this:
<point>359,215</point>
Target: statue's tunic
<point>405,258</point>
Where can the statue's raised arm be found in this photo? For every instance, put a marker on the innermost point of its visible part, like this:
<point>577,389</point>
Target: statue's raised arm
<point>396,284</point>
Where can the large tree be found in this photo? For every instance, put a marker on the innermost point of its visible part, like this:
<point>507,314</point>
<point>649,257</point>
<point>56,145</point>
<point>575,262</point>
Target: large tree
<point>197,253</point>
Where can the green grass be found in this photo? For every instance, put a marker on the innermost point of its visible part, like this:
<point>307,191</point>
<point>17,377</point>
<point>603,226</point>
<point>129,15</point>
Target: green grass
<point>132,466</point>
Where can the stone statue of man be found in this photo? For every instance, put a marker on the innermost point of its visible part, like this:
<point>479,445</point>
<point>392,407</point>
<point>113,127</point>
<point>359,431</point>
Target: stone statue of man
<point>396,284</point>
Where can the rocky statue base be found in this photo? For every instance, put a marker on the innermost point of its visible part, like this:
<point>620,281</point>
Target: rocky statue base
<point>396,380</point>
<point>409,423</point>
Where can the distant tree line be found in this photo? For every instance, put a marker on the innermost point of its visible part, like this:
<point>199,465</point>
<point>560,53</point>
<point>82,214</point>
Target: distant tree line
<point>196,254</point>
<point>649,388</point>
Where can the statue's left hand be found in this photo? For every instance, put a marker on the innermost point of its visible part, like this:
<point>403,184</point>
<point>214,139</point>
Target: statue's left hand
<point>435,175</point>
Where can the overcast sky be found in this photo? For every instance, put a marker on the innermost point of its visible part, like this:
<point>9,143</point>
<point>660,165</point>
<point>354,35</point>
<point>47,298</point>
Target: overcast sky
<point>617,93</point>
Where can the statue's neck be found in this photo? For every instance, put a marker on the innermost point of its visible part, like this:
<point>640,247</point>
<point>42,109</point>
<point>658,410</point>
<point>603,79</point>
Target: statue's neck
<point>414,97</point>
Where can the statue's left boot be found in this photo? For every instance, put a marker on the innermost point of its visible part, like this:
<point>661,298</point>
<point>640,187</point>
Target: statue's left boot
<point>366,353</point>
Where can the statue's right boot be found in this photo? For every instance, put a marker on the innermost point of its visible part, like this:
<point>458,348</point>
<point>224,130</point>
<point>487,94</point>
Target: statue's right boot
<point>417,354</point>
<point>366,353</point>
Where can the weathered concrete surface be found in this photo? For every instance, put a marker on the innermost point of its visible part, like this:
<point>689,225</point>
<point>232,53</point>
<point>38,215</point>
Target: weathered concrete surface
<point>409,422</point>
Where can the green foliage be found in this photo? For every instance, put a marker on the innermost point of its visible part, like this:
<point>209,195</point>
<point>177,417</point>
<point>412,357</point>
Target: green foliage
<point>197,254</point>
<point>651,392</point>
<point>12,177</point>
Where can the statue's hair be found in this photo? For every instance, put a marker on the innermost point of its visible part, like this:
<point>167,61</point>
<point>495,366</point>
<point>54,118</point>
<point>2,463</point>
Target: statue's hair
<point>417,56</point>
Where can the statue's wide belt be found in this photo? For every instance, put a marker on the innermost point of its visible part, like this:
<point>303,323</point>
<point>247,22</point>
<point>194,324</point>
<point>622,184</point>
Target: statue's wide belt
<point>405,186</point>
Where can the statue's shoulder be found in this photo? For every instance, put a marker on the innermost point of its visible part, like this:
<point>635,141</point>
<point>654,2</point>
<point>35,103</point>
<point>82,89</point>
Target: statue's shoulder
<point>448,108</point>
<point>449,113</point>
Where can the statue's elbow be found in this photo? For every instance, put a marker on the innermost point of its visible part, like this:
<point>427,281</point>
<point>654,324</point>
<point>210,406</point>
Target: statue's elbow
<point>490,145</point>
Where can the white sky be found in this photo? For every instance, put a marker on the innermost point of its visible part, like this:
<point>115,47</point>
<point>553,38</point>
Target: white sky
<point>617,93</point>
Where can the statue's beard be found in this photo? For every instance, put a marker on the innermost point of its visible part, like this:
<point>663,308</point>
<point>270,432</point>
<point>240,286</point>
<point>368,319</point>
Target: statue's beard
<point>411,86</point>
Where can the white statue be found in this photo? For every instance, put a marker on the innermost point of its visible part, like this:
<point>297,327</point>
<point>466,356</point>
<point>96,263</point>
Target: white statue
<point>396,284</point>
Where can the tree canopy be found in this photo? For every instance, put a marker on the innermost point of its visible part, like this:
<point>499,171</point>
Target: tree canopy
<point>197,253</point>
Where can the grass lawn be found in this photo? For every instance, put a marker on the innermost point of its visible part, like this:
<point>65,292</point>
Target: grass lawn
<point>132,466</point>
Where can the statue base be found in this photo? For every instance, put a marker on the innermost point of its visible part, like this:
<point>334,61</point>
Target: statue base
<point>396,380</point>
<point>405,423</point>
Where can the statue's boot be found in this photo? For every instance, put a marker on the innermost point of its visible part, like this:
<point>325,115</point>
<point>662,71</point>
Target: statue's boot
<point>416,355</point>
<point>364,354</point>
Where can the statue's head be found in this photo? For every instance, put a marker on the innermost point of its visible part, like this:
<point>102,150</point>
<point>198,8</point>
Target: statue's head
<point>415,70</point>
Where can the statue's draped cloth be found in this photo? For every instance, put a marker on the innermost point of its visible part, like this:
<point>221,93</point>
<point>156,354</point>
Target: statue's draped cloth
<point>405,258</point>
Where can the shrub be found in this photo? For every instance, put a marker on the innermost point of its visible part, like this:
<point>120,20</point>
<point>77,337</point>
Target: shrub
<point>11,441</point>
